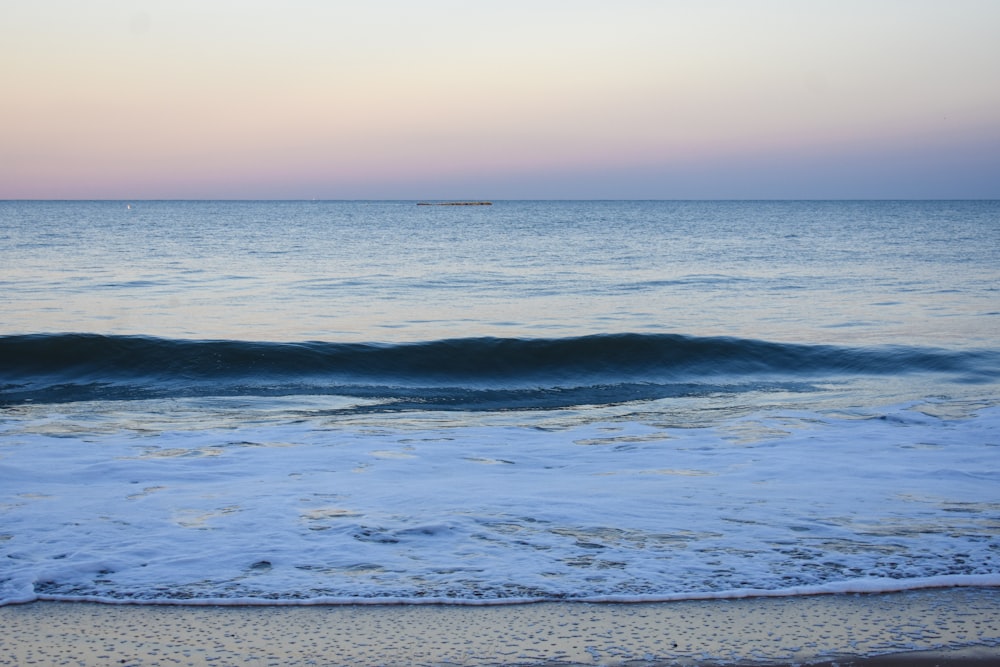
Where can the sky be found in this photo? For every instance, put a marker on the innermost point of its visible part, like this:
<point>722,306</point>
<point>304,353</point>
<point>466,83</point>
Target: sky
<point>505,99</point>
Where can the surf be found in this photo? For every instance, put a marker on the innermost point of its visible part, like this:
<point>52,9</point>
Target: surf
<point>490,372</point>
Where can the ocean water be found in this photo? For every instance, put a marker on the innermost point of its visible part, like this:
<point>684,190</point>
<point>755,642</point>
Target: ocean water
<point>300,402</point>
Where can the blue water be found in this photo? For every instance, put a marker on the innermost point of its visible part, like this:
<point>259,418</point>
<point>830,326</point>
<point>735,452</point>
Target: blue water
<point>260,401</point>
<point>812,272</point>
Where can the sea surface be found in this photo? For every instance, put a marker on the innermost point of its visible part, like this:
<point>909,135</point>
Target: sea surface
<point>374,401</point>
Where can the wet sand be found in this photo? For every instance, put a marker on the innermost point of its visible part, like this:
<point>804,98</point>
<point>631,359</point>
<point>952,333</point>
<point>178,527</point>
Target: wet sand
<point>936,627</point>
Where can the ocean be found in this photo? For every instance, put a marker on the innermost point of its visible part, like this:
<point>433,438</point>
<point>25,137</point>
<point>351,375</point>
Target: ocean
<point>295,402</point>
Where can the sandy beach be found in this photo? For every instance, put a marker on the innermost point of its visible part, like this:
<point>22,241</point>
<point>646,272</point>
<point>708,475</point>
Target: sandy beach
<point>936,627</point>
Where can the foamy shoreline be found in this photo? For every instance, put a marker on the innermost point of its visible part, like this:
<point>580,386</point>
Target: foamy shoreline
<point>943,626</point>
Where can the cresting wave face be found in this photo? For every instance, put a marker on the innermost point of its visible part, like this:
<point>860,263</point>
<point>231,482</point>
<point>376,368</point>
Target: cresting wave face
<point>57,368</point>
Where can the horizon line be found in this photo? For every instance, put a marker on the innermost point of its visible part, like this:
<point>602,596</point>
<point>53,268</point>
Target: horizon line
<point>508,199</point>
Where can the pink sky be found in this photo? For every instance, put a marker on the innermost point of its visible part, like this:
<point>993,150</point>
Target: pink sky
<point>515,99</point>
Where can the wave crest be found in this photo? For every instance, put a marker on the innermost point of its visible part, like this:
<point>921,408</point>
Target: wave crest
<point>518,371</point>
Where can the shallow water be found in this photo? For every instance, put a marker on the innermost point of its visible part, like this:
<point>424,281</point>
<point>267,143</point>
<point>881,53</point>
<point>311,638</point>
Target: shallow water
<point>303,401</point>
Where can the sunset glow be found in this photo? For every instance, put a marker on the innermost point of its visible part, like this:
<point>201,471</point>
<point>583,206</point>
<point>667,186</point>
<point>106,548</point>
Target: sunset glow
<point>389,99</point>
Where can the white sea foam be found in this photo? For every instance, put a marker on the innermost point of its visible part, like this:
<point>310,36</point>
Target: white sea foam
<point>272,511</point>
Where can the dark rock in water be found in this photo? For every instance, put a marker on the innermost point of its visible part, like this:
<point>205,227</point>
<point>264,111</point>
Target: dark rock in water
<point>455,203</point>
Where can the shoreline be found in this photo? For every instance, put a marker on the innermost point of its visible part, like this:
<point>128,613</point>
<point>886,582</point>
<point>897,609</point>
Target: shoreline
<point>959,626</point>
